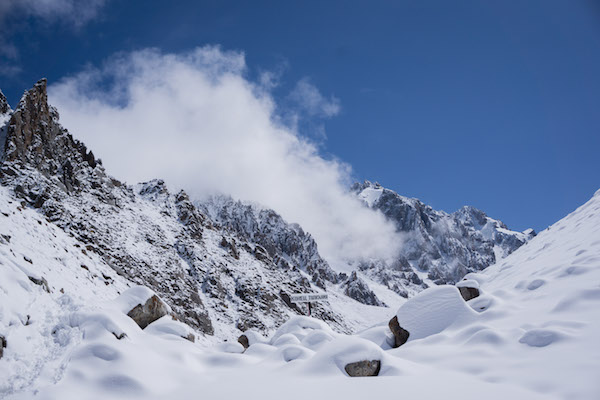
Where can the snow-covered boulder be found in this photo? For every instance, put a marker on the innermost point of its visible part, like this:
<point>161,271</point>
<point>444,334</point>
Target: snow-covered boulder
<point>169,328</point>
<point>469,289</point>
<point>250,337</point>
<point>300,327</point>
<point>434,310</point>
<point>142,305</point>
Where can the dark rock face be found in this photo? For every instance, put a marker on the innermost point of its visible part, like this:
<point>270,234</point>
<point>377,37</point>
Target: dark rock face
<point>153,309</point>
<point>357,289</point>
<point>400,334</point>
<point>446,246</point>
<point>363,368</point>
<point>468,293</point>
<point>287,245</point>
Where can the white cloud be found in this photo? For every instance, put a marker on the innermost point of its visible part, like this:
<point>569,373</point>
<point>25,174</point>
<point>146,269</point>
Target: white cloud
<point>75,12</point>
<point>312,102</point>
<point>196,121</point>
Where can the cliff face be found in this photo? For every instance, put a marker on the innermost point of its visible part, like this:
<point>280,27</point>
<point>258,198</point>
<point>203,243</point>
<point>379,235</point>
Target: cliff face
<point>217,272</point>
<point>441,246</point>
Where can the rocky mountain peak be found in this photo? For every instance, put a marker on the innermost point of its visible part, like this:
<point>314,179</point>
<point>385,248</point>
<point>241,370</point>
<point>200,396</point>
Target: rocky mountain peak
<point>35,139</point>
<point>442,246</point>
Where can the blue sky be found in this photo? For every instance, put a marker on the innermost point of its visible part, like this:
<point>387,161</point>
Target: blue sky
<point>491,104</point>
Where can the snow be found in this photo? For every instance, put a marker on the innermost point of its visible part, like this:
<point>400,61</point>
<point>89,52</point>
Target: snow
<point>470,283</point>
<point>370,195</point>
<point>532,334</point>
<point>132,297</point>
<point>434,310</point>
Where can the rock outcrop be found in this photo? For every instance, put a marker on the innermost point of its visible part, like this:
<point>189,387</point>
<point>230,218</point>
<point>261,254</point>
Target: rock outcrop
<point>356,288</point>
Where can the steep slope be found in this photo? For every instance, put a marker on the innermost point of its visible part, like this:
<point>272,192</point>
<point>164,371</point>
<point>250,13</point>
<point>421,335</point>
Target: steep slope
<point>216,279</point>
<point>441,246</point>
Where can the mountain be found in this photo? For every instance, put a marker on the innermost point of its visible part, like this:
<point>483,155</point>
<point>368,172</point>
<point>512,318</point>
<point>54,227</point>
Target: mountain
<point>221,266</point>
<point>438,247</point>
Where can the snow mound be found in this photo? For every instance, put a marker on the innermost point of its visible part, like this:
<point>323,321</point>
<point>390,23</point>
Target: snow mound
<point>433,310</point>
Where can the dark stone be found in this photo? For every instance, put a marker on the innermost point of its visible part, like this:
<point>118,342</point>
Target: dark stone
<point>2,345</point>
<point>363,368</point>
<point>468,293</point>
<point>243,340</point>
<point>400,334</point>
<point>153,309</point>
<point>42,282</point>
<point>120,336</point>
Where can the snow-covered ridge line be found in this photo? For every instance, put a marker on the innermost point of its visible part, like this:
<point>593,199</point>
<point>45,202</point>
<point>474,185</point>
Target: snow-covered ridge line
<point>438,247</point>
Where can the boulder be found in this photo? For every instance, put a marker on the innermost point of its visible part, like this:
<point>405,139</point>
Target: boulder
<point>153,309</point>
<point>400,334</point>
<point>243,340</point>
<point>469,289</point>
<point>468,293</point>
<point>363,368</point>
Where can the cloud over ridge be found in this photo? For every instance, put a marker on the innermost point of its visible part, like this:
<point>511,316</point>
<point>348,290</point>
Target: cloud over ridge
<point>197,121</point>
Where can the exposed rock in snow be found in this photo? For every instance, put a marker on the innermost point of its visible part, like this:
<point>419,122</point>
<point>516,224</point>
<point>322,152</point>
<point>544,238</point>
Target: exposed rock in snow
<point>469,289</point>
<point>401,335</point>
<point>2,345</point>
<point>357,289</point>
<point>363,368</point>
<point>142,305</point>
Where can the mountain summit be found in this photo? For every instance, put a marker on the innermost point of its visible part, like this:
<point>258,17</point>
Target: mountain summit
<point>440,247</point>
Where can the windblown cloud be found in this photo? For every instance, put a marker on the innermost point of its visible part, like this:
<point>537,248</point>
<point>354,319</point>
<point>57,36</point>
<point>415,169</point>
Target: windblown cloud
<point>312,102</point>
<point>195,120</point>
<point>76,12</point>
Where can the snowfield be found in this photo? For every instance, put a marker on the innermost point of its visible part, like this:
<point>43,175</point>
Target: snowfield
<point>531,334</point>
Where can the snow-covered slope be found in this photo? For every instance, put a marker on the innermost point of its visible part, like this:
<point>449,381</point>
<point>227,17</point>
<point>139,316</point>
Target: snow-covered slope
<point>437,247</point>
<point>532,334</point>
<point>75,244</point>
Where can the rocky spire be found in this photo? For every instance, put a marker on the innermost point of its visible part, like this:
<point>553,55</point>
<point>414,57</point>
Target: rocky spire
<point>34,138</point>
